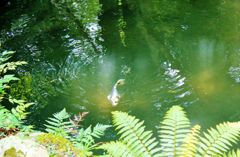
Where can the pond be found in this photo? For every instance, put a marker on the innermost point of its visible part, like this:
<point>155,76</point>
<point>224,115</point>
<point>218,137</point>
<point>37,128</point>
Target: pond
<point>169,53</point>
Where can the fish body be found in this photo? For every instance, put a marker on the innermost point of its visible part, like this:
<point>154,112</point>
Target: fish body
<point>114,96</point>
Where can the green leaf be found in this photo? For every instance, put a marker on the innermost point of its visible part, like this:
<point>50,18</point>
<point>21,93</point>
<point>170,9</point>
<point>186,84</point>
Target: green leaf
<point>233,153</point>
<point>139,141</point>
<point>173,130</point>
<point>59,124</point>
<point>190,143</point>
<point>117,149</point>
<point>219,140</point>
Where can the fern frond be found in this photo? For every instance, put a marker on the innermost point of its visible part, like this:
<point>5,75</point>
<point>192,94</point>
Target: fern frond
<point>85,139</point>
<point>117,149</point>
<point>61,115</point>
<point>5,66</point>
<point>8,78</point>
<point>189,146</point>
<point>99,129</point>
<point>133,134</point>
<point>10,66</point>
<point>233,153</point>
<point>218,141</point>
<point>20,111</point>
<point>173,130</point>
<point>5,55</point>
<point>8,120</point>
<point>59,124</point>
<point>4,83</point>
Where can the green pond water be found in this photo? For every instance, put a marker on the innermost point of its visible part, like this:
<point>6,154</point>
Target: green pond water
<point>169,53</point>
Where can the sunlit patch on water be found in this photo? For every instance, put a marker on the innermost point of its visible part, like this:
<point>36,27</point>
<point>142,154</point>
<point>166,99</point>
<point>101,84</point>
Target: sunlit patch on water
<point>235,73</point>
<point>206,83</point>
<point>177,86</point>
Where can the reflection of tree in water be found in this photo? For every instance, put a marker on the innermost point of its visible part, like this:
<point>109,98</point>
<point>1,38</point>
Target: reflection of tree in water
<point>56,40</point>
<point>157,22</point>
<point>163,23</point>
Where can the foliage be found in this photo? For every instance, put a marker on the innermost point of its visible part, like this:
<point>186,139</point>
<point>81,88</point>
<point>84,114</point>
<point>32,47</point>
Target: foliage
<point>11,121</point>
<point>8,120</point>
<point>22,89</point>
<point>218,141</point>
<point>4,81</point>
<point>133,134</point>
<point>233,153</point>
<point>173,130</point>
<point>117,149</point>
<point>190,142</point>
<point>4,67</point>
<point>134,140</point>
<point>82,139</point>
<point>20,111</point>
<point>176,137</point>
<point>85,138</point>
<point>59,124</point>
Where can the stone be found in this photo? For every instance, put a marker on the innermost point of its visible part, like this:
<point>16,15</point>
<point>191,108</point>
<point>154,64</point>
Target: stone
<point>20,146</point>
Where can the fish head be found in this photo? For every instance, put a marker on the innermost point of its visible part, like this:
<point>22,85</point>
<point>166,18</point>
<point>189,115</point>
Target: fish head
<point>120,82</point>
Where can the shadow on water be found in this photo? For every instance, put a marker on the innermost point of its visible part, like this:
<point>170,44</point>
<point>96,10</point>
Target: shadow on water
<point>172,56</point>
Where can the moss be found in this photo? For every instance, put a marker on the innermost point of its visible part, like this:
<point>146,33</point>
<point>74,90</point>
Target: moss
<point>57,145</point>
<point>12,152</point>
